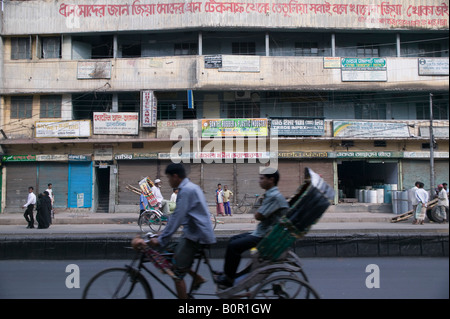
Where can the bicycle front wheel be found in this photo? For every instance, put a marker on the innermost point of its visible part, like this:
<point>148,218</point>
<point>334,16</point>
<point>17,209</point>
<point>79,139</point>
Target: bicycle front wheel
<point>118,283</point>
<point>284,287</point>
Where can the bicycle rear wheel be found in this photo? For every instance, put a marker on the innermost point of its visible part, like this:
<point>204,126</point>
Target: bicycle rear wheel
<point>118,283</point>
<point>149,221</point>
<point>284,287</point>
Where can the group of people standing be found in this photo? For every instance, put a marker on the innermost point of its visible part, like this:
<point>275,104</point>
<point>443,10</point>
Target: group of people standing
<point>419,199</point>
<point>44,207</point>
<point>223,200</point>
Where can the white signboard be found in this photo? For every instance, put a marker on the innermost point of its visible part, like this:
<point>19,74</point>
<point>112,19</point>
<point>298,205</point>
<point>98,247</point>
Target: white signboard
<point>116,123</point>
<point>355,129</point>
<point>63,129</point>
<point>149,109</point>
<point>433,66</point>
<point>239,63</point>
<point>94,70</point>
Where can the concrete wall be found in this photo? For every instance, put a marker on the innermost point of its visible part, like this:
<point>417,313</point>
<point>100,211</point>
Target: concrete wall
<point>46,16</point>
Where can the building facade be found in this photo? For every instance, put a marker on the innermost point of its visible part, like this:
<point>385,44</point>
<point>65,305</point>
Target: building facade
<point>97,95</point>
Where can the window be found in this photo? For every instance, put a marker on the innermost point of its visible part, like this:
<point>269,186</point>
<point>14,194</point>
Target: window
<point>84,105</point>
<point>51,48</point>
<point>167,111</point>
<point>306,49</point>
<point>440,111</point>
<point>243,48</point>
<point>20,48</point>
<point>367,50</point>
<point>50,106</point>
<point>307,110</point>
<point>21,107</point>
<point>370,111</point>
<point>185,48</point>
<point>429,49</point>
<point>243,109</point>
<point>189,114</point>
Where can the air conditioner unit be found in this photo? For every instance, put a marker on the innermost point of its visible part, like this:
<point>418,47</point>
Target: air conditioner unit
<point>242,95</point>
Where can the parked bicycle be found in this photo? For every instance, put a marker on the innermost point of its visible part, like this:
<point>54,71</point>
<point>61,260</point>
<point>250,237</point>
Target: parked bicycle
<point>245,204</point>
<point>155,221</point>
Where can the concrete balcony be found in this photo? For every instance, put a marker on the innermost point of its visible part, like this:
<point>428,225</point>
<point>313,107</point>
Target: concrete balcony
<point>189,72</point>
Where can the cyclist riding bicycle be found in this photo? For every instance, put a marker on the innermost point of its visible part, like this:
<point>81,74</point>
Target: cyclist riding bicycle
<point>192,212</point>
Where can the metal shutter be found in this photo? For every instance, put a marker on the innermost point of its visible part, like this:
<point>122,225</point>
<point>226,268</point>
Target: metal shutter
<point>19,176</point>
<point>131,172</point>
<point>57,174</point>
<point>80,182</point>
<point>214,174</point>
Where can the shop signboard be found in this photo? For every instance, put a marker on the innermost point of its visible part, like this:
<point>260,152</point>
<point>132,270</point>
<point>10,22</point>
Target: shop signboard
<point>433,66</point>
<point>363,69</point>
<point>297,126</point>
<point>81,128</point>
<point>19,158</point>
<point>359,129</point>
<point>126,123</point>
<point>165,128</point>
<point>149,108</point>
<point>366,154</point>
<point>234,127</point>
<point>135,156</point>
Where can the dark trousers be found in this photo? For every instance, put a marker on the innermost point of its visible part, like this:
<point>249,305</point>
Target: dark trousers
<point>29,215</point>
<point>226,205</point>
<point>236,246</point>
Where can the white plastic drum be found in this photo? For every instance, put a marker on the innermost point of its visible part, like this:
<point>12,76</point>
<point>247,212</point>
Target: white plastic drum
<point>380,195</point>
<point>373,196</point>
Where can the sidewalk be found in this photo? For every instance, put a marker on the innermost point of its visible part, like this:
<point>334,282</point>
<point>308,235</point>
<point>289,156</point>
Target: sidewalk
<point>97,235</point>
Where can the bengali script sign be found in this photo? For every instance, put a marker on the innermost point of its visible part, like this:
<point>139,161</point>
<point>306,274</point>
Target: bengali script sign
<point>80,128</point>
<point>383,10</point>
<point>356,129</point>
<point>116,123</point>
<point>234,127</point>
<point>297,126</point>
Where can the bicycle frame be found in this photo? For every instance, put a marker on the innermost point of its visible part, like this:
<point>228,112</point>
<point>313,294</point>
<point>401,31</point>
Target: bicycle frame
<point>201,255</point>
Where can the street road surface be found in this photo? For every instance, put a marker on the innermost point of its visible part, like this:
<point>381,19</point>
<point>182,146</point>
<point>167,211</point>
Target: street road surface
<point>333,278</point>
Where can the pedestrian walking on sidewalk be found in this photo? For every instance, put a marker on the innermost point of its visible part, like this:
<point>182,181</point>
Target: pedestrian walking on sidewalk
<point>31,201</point>
<point>421,210</point>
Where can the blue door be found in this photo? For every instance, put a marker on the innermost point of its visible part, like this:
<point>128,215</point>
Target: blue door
<point>80,185</point>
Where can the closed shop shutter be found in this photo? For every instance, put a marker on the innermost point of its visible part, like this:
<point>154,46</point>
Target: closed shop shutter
<point>247,180</point>
<point>130,173</point>
<point>192,171</point>
<point>80,184</point>
<point>321,167</point>
<point>58,175</point>
<point>289,177</point>
<point>19,176</point>
<point>214,174</point>
<point>416,170</point>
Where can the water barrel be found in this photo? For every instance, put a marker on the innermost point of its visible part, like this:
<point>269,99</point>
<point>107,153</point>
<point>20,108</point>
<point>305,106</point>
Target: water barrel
<point>387,193</point>
<point>380,195</point>
<point>403,202</point>
<point>394,203</point>
<point>372,196</point>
